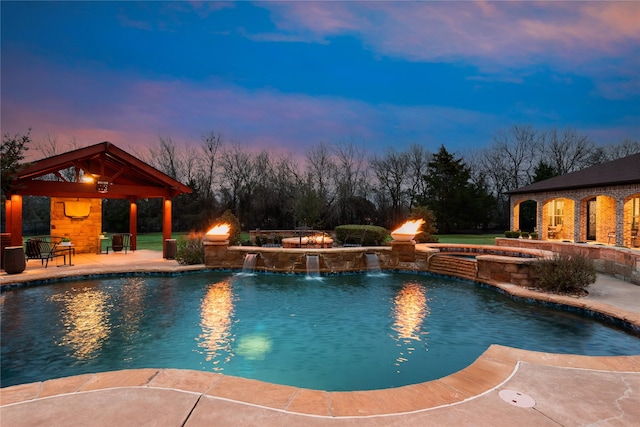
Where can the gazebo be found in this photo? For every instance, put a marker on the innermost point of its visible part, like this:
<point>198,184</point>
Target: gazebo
<point>78,181</point>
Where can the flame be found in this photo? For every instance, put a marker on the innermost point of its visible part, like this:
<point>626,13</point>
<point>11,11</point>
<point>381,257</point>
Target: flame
<point>220,229</point>
<point>410,227</point>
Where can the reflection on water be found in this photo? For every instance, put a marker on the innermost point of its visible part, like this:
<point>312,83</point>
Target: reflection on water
<point>216,320</point>
<point>132,307</point>
<point>409,311</point>
<point>85,316</point>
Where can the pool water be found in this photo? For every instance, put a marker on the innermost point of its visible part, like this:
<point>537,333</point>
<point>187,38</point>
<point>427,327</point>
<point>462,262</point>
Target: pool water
<point>337,333</point>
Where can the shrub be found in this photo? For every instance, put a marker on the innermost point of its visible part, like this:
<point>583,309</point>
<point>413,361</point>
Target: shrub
<point>190,249</point>
<point>428,229</point>
<point>534,235</point>
<point>525,235</point>
<point>234,232</point>
<point>373,234</point>
<point>565,274</point>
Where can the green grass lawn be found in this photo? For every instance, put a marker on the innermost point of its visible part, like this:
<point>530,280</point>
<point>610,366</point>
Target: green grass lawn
<point>153,241</point>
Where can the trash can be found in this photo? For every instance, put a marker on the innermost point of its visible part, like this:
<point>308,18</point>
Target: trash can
<point>14,260</point>
<point>170,248</point>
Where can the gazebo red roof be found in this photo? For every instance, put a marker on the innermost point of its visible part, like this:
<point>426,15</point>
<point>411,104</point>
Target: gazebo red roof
<point>127,176</point>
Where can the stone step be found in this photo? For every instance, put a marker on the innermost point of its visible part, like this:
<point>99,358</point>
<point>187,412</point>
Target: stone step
<point>453,266</point>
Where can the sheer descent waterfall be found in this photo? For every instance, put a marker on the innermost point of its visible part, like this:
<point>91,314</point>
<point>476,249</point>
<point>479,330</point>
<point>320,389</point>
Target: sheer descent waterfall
<point>313,266</point>
<point>249,263</point>
<point>373,264</point>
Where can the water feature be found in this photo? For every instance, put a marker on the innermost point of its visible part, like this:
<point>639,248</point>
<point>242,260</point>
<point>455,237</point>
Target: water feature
<point>249,263</point>
<point>313,266</point>
<point>373,263</point>
<point>405,328</point>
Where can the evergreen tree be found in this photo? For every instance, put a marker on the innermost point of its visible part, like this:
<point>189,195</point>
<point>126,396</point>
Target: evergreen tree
<point>11,155</point>
<point>456,203</point>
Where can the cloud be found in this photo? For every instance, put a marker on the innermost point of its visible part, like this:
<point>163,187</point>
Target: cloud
<point>133,111</point>
<point>571,37</point>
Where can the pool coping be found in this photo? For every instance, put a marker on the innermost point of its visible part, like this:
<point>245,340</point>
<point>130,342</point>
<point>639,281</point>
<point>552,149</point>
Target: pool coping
<point>488,372</point>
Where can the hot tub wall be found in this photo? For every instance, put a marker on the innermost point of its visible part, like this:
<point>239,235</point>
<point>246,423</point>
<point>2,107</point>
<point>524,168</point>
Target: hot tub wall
<point>398,256</point>
<point>284,260</point>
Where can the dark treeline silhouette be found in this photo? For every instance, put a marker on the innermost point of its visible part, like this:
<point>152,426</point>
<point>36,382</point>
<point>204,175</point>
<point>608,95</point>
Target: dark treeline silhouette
<point>341,183</point>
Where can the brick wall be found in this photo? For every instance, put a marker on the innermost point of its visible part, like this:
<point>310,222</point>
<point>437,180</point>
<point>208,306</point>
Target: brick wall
<point>613,212</point>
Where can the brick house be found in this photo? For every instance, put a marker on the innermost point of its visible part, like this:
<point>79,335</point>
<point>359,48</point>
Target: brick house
<point>599,204</point>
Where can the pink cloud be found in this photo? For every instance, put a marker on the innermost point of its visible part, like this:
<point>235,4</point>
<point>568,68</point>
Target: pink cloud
<point>494,36</point>
<point>133,112</point>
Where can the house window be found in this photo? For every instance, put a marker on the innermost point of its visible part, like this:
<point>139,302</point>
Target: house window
<point>556,212</point>
<point>635,213</point>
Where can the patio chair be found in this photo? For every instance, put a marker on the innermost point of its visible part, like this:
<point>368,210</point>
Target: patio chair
<point>44,248</point>
<point>554,231</point>
<point>120,241</point>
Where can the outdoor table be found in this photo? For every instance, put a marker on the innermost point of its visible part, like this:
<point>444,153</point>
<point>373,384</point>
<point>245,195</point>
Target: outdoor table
<point>101,239</point>
<point>70,249</point>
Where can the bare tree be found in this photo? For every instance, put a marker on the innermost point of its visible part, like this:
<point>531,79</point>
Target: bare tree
<point>392,177</point>
<point>418,159</point>
<point>567,151</point>
<point>321,168</point>
<point>350,180</point>
<point>239,175</point>
<point>165,158</point>
<point>211,145</point>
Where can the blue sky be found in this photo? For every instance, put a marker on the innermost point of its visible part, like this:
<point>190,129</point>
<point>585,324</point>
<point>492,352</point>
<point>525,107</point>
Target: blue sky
<point>293,74</point>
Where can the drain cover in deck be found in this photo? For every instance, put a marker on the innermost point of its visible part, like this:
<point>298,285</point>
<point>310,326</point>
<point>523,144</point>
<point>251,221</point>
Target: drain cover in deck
<point>516,398</point>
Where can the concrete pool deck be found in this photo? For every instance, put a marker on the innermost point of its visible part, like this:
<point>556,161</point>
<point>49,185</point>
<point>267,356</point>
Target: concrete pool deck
<point>565,390</point>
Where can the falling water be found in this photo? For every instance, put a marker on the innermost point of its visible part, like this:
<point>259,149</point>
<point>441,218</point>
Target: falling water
<point>249,263</point>
<point>373,264</point>
<point>313,266</point>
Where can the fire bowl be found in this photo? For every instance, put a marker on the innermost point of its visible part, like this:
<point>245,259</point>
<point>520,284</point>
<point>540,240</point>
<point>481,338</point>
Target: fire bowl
<point>401,237</point>
<point>216,237</point>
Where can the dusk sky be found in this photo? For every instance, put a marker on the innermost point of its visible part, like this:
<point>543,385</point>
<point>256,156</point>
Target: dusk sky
<point>293,74</point>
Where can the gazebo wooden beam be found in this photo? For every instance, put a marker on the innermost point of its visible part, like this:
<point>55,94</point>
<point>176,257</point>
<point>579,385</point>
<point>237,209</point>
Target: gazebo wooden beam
<point>75,189</point>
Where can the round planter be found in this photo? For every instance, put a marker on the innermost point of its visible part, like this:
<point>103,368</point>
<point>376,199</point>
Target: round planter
<point>14,260</point>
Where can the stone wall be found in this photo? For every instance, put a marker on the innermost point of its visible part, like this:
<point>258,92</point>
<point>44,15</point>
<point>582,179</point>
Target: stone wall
<point>622,263</point>
<point>494,264</point>
<point>83,231</point>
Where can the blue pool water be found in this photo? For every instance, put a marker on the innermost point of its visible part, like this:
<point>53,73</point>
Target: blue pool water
<point>350,332</point>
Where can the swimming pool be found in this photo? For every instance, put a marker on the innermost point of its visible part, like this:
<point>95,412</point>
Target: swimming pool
<point>336,333</point>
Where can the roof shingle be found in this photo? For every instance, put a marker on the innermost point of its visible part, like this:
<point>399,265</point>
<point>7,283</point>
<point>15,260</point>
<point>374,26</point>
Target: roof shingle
<point>621,171</point>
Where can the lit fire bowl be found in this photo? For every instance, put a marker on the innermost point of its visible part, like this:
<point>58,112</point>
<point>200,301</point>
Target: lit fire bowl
<point>401,237</point>
<point>219,233</point>
<point>216,237</point>
<point>407,231</point>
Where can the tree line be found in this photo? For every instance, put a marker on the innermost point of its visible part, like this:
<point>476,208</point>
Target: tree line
<point>341,183</point>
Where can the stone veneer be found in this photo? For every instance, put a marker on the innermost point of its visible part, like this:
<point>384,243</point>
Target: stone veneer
<point>491,263</point>
<point>83,232</point>
<point>622,263</point>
